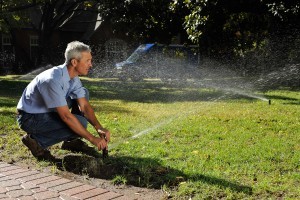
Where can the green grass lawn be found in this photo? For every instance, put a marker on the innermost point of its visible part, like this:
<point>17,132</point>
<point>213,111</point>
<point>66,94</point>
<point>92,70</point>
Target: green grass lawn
<point>192,142</point>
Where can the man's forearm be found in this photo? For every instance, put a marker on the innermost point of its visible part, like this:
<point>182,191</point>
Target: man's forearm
<point>74,124</point>
<point>89,114</point>
<point>91,117</point>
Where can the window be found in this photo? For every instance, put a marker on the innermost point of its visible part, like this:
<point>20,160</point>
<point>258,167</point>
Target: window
<point>34,44</point>
<point>7,54</point>
<point>6,44</point>
<point>34,40</point>
<point>6,40</point>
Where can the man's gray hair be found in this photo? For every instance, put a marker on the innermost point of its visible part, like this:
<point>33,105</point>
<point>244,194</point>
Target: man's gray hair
<point>74,50</point>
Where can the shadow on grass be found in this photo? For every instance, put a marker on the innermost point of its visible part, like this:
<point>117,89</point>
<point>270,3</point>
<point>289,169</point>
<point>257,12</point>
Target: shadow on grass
<point>146,92</point>
<point>281,98</point>
<point>156,91</point>
<point>141,172</point>
<point>288,100</point>
<point>12,88</point>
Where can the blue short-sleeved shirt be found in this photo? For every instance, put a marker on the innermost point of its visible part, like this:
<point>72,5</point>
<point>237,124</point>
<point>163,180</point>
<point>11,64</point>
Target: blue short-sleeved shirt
<point>49,90</point>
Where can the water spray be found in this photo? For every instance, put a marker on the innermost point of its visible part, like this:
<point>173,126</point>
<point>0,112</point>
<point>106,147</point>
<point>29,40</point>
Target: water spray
<point>227,90</point>
<point>146,131</point>
<point>156,126</point>
<point>234,90</point>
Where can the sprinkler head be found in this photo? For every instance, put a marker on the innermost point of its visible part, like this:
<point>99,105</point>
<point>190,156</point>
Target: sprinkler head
<point>104,153</point>
<point>269,101</point>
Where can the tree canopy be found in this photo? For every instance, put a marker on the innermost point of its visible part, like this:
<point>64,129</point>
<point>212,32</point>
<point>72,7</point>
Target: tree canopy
<point>220,27</point>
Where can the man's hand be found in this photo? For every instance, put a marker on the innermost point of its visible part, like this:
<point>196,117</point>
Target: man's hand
<point>100,143</point>
<point>104,133</point>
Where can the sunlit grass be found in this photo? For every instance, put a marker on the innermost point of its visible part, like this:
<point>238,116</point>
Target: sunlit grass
<point>196,142</point>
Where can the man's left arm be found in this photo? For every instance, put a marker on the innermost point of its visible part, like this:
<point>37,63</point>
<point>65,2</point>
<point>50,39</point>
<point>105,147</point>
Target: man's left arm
<point>89,114</point>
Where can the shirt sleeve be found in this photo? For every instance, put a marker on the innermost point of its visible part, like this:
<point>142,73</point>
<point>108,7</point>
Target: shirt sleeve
<point>77,91</point>
<point>52,94</point>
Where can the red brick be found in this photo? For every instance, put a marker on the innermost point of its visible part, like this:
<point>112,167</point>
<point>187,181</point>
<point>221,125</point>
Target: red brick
<point>46,195</point>
<point>19,193</point>
<point>16,187</point>
<point>54,183</point>
<point>33,177</point>
<point>8,183</point>
<point>8,198</point>
<point>16,171</point>
<point>27,198</point>
<point>107,195</point>
<point>23,174</point>
<point>9,168</point>
<point>2,196</point>
<point>28,186</point>
<point>4,178</point>
<point>66,186</point>
<point>25,184</point>
<point>2,164</point>
<point>77,190</point>
<point>57,198</point>
<point>2,190</point>
<point>43,180</point>
<point>90,193</point>
<point>38,190</point>
<point>65,197</point>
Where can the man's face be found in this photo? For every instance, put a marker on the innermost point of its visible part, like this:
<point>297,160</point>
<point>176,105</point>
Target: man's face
<point>84,64</point>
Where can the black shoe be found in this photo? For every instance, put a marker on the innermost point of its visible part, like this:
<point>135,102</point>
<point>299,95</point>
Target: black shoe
<point>77,146</point>
<point>36,150</point>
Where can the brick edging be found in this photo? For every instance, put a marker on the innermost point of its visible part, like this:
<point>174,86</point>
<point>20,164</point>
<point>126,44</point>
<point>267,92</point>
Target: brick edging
<point>24,184</point>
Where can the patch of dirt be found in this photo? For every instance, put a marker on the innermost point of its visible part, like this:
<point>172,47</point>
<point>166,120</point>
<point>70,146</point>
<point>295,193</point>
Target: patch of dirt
<point>101,172</point>
<point>94,171</point>
<point>127,190</point>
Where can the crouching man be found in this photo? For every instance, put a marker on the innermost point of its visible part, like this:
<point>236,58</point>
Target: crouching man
<point>44,107</point>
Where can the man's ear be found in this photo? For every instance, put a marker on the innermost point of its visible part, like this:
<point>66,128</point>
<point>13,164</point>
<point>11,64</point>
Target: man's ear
<point>74,62</point>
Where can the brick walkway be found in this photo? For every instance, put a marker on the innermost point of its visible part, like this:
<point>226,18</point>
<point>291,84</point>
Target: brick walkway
<point>25,184</point>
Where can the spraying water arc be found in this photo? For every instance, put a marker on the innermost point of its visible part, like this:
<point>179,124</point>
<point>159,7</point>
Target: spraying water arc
<point>144,132</point>
<point>158,125</point>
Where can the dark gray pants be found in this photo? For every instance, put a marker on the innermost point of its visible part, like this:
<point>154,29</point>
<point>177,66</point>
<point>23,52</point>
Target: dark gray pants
<point>48,128</point>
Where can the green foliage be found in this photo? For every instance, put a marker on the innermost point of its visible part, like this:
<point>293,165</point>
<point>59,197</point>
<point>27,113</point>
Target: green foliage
<point>221,28</point>
<point>283,9</point>
<point>48,17</point>
<point>119,180</point>
<point>11,16</point>
<point>143,20</point>
<point>235,28</point>
<point>196,20</point>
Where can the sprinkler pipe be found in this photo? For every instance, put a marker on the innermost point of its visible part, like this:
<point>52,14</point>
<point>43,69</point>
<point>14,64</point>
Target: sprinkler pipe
<point>104,151</point>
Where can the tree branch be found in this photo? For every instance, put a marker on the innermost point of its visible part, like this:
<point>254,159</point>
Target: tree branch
<point>19,8</point>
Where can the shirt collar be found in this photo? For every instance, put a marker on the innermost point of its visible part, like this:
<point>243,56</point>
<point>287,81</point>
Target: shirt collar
<point>65,73</point>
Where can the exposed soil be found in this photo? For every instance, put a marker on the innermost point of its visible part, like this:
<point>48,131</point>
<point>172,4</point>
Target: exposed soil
<point>100,175</point>
<point>127,190</point>
<point>94,171</point>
